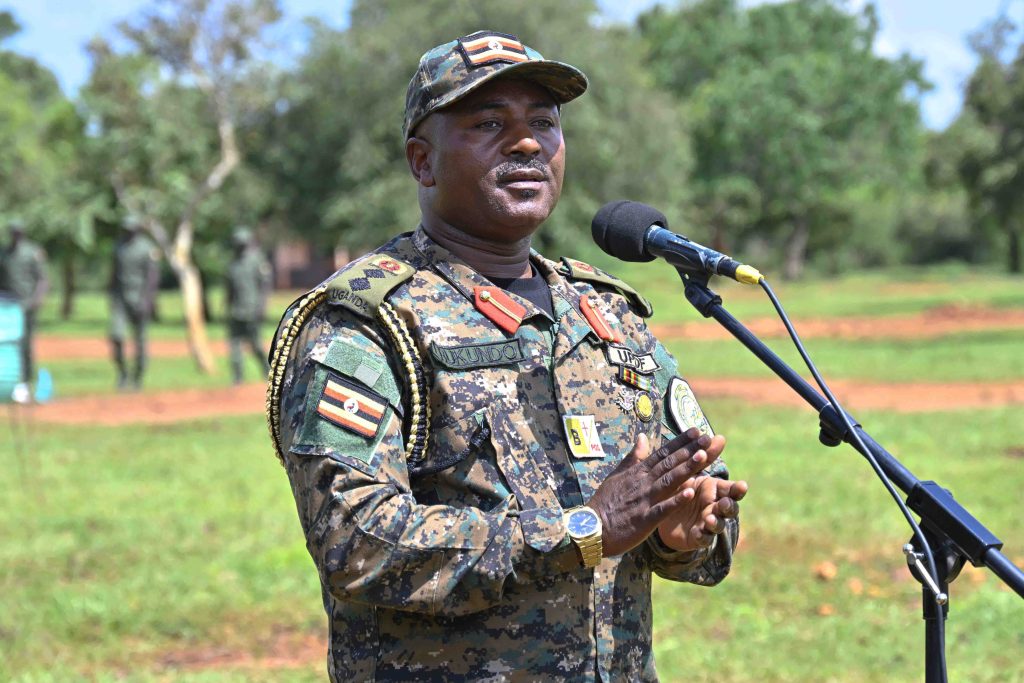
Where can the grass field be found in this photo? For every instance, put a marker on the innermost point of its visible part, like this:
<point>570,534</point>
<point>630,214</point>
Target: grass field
<point>165,553</point>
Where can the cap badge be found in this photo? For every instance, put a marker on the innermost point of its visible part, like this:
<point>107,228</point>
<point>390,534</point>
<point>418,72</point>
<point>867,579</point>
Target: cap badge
<point>485,47</point>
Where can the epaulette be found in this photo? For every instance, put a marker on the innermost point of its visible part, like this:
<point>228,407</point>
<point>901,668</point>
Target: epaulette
<point>366,283</point>
<point>578,270</point>
<point>363,288</point>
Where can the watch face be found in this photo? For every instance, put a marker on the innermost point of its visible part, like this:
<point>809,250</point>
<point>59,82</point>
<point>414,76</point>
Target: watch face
<point>583,523</point>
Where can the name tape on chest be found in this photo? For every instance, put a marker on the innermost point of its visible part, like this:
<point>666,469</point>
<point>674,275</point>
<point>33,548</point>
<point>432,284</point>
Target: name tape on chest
<point>626,358</point>
<point>683,407</point>
<point>351,407</point>
<point>469,356</point>
<point>583,437</point>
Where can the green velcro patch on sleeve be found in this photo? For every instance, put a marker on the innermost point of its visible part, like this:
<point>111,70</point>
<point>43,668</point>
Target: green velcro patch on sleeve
<point>366,367</point>
<point>365,284</point>
<point>578,270</point>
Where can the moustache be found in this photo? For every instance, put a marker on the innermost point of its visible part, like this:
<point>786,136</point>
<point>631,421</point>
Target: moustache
<point>510,167</point>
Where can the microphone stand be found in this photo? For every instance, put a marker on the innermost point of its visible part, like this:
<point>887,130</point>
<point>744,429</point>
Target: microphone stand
<point>951,532</point>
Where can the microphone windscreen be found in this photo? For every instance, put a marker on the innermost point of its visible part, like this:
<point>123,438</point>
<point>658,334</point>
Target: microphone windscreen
<point>619,229</point>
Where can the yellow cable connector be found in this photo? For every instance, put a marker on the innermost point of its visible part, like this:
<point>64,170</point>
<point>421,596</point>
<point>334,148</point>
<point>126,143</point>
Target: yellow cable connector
<point>748,275</point>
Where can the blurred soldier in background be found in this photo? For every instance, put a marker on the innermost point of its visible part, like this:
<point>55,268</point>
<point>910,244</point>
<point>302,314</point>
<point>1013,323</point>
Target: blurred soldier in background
<point>23,274</point>
<point>248,287</point>
<point>133,286</point>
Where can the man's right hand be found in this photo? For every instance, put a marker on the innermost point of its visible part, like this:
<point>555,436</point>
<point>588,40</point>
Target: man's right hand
<point>646,487</point>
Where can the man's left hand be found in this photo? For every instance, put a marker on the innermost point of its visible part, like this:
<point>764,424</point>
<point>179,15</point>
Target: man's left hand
<point>701,517</point>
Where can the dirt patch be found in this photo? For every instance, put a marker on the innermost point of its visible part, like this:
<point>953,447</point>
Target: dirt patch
<point>935,322</point>
<point>855,395</point>
<point>50,349</point>
<point>286,650</point>
<point>158,407</point>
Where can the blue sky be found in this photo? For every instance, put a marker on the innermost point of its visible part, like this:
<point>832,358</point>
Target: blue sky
<point>933,30</point>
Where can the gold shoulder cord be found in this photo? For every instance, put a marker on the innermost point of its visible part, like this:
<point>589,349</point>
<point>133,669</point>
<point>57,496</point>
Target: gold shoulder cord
<point>420,417</point>
<point>419,422</point>
<point>279,362</point>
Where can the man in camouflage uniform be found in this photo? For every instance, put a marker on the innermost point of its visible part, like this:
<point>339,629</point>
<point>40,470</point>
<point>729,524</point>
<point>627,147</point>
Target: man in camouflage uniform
<point>23,274</point>
<point>248,284</point>
<point>133,283</point>
<point>489,451</point>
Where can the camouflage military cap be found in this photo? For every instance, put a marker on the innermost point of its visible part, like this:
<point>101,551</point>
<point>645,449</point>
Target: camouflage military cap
<point>451,71</point>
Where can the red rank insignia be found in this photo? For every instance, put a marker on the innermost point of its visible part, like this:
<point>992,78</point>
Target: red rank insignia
<point>499,308</point>
<point>597,321</point>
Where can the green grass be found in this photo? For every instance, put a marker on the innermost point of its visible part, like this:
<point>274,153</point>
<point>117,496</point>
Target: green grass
<point>977,356</point>
<point>122,546</point>
<point>868,293</point>
<point>808,505</point>
<point>77,378</point>
<point>91,315</point>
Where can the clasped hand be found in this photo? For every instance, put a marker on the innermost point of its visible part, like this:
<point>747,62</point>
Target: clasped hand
<point>666,491</point>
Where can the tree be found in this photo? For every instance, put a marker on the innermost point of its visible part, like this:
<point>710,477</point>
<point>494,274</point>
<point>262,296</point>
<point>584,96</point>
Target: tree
<point>335,148</point>
<point>42,177</point>
<point>992,167</point>
<point>167,112</point>
<point>795,120</point>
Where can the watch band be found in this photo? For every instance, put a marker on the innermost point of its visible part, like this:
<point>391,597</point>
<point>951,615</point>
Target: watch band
<point>590,550</point>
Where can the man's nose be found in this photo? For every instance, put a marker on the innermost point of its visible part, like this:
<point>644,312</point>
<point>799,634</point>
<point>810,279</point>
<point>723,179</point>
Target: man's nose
<point>522,143</point>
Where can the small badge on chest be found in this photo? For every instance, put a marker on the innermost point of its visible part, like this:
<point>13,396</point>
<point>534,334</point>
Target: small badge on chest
<point>582,436</point>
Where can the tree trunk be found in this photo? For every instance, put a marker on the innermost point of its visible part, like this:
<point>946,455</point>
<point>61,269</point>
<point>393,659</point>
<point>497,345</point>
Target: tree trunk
<point>191,298</point>
<point>796,250</point>
<point>1013,250</point>
<point>192,306</point>
<point>67,289</point>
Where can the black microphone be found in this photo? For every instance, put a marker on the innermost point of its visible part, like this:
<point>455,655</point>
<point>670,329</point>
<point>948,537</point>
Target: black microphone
<point>632,231</point>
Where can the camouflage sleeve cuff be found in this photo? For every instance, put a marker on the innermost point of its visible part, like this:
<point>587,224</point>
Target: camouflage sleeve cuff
<point>681,559</point>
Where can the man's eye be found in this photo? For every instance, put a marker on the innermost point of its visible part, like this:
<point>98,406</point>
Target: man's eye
<point>544,123</point>
<point>488,125</point>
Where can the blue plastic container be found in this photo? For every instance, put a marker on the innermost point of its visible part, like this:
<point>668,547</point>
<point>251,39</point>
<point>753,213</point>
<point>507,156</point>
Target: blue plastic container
<point>12,329</point>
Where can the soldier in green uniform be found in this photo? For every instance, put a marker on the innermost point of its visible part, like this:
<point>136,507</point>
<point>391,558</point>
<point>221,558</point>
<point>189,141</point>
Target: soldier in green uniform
<point>490,452</point>
<point>23,274</point>
<point>248,285</point>
<point>133,283</point>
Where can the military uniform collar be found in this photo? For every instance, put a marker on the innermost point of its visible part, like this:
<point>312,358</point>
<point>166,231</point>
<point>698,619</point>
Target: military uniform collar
<point>464,277</point>
<point>565,299</point>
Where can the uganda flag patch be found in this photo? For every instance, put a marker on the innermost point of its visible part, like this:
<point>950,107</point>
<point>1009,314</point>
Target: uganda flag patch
<point>486,47</point>
<point>351,406</point>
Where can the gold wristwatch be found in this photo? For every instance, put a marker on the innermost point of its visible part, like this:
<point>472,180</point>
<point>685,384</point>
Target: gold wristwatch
<point>584,528</point>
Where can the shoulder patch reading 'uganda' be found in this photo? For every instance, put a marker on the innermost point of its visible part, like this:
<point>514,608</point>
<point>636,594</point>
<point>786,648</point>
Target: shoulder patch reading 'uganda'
<point>683,407</point>
<point>365,284</point>
<point>486,355</point>
<point>350,406</point>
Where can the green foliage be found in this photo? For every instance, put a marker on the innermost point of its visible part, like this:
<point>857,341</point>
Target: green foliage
<point>798,125</point>
<point>992,163</point>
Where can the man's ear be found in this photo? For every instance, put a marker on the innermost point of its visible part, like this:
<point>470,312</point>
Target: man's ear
<point>417,153</point>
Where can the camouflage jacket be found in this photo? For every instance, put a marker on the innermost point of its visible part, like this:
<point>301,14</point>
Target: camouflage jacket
<point>452,562</point>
